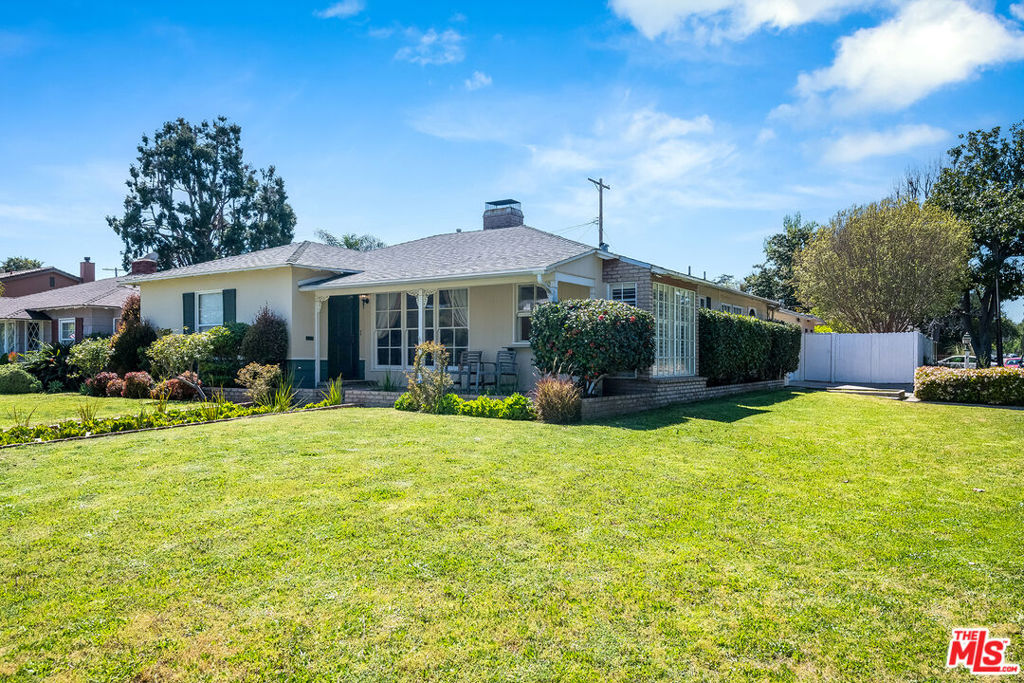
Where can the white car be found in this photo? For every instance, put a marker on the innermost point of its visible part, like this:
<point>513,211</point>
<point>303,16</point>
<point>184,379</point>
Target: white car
<point>958,362</point>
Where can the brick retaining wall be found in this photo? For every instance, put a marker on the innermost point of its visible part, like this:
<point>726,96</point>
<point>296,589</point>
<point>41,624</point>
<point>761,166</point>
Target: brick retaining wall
<point>633,396</point>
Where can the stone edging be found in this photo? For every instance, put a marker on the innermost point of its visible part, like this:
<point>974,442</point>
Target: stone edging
<point>157,429</point>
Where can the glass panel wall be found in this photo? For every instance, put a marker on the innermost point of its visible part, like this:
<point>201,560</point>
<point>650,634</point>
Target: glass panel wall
<point>675,331</point>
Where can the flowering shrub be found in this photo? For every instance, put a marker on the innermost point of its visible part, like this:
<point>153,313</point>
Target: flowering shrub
<point>115,387</point>
<point>994,386</point>
<point>260,380</point>
<point>590,338</point>
<point>557,400</point>
<point>137,385</point>
<point>97,386</point>
<point>737,348</point>
<point>429,384</point>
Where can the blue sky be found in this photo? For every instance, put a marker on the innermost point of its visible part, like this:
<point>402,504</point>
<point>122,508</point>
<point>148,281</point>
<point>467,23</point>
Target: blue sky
<point>711,119</point>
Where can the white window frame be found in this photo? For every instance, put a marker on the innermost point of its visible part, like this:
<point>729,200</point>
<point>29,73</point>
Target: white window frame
<point>8,336</point>
<point>403,319</point>
<point>612,286</point>
<point>199,326</point>
<point>30,343</point>
<point>60,331</point>
<point>675,322</point>
<point>517,314</point>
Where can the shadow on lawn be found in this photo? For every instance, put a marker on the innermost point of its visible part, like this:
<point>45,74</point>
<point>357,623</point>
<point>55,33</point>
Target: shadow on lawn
<point>727,409</point>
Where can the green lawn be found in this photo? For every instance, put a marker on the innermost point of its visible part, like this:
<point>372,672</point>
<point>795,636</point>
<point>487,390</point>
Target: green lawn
<point>770,536</point>
<point>51,408</point>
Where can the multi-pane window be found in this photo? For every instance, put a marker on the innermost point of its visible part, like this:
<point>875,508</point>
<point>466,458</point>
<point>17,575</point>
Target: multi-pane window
<point>727,308</point>
<point>528,297</point>
<point>675,331</point>
<point>33,335</point>
<point>705,302</point>
<point>623,291</point>
<point>66,329</point>
<point>8,337</point>
<point>445,319</point>
<point>210,311</point>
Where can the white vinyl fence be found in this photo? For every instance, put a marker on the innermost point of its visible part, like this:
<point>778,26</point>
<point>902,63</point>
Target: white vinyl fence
<point>876,358</point>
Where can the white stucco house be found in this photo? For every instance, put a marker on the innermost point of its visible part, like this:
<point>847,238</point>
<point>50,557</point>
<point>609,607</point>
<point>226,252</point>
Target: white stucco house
<point>361,314</point>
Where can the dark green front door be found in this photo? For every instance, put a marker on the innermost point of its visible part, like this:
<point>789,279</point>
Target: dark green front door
<point>343,337</point>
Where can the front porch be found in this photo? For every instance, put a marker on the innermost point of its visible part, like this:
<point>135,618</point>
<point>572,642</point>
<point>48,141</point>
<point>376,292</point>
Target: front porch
<point>20,336</point>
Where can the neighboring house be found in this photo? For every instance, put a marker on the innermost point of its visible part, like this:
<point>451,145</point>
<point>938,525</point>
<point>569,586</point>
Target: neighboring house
<point>25,282</point>
<point>361,314</point>
<point>66,314</point>
<point>806,321</point>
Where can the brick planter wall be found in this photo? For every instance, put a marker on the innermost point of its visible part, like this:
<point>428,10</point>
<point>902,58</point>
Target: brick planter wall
<point>374,398</point>
<point>635,395</point>
<point>235,395</point>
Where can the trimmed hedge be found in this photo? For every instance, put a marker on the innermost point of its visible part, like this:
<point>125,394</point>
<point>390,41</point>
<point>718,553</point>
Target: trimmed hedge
<point>736,348</point>
<point>515,407</point>
<point>992,386</point>
<point>14,380</point>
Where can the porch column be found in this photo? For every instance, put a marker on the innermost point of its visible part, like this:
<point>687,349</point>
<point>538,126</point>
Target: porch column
<point>317,304</point>
<point>421,305</point>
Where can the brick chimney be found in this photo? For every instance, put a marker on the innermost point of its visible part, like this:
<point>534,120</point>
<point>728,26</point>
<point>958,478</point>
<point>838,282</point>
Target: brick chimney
<point>145,265</point>
<point>503,213</point>
<point>87,270</point>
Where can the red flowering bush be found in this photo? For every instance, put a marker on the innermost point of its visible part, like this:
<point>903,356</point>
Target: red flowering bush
<point>115,387</point>
<point>590,338</point>
<point>97,385</point>
<point>994,386</point>
<point>137,385</point>
<point>176,390</point>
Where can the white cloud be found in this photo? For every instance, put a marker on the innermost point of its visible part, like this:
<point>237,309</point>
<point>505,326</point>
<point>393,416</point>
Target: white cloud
<point>765,135</point>
<point>432,47</point>
<point>478,80</point>
<point>342,10</point>
<point>715,20</point>
<point>927,45</point>
<point>1017,10</point>
<point>855,147</point>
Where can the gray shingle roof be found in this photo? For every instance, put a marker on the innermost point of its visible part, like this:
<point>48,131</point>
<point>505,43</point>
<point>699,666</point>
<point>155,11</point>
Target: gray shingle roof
<point>460,254</point>
<point>107,293</point>
<point>303,254</point>
<point>455,254</point>
<point>13,274</point>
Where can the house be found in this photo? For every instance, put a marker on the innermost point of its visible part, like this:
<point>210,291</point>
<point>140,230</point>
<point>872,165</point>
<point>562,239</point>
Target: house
<point>805,321</point>
<point>65,314</point>
<point>35,280</point>
<point>361,314</point>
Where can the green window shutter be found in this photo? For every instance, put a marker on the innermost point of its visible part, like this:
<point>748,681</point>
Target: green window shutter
<point>229,306</point>
<point>188,312</point>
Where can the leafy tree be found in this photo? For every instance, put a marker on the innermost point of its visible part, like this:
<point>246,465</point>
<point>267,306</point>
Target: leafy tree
<point>884,267</point>
<point>727,280</point>
<point>191,198</point>
<point>984,188</point>
<point>351,240</point>
<point>13,263</point>
<point>773,279</point>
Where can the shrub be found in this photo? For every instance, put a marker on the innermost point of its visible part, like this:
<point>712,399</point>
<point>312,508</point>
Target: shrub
<point>175,354</point>
<point>115,387</point>
<point>407,402</point>
<point>225,356</point>
<point>137,385</point>
<point>590,338</point>
<point>993,386</point>
<point>260,380</point>
<point>176,389</point>
<point>97,386</point>
<point>557,400</point>
<point>14,380</point>
<point>518,407</point>
<point>133,336</point>
<point>266,341</point>
<point>55,386</point>
<point>429,384</point>
<point>48,363</point>
<point>737,348</point>
<point>448,404</point>
<point>90,356</point>
<point>483,406</point>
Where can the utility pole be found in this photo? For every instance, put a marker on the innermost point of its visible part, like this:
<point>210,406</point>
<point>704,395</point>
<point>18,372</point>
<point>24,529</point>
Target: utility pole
<point>601,187</point>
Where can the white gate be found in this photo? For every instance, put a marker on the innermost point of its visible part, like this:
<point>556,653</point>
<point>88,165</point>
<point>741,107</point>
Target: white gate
<point>876,358</point>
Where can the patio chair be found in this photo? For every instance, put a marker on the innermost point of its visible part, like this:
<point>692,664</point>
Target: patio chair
<point>468,371</point>
<point>503,367</point>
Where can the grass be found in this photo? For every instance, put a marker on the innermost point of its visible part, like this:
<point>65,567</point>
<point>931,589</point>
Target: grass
<point>51,408</point>
<point>788,536</point>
